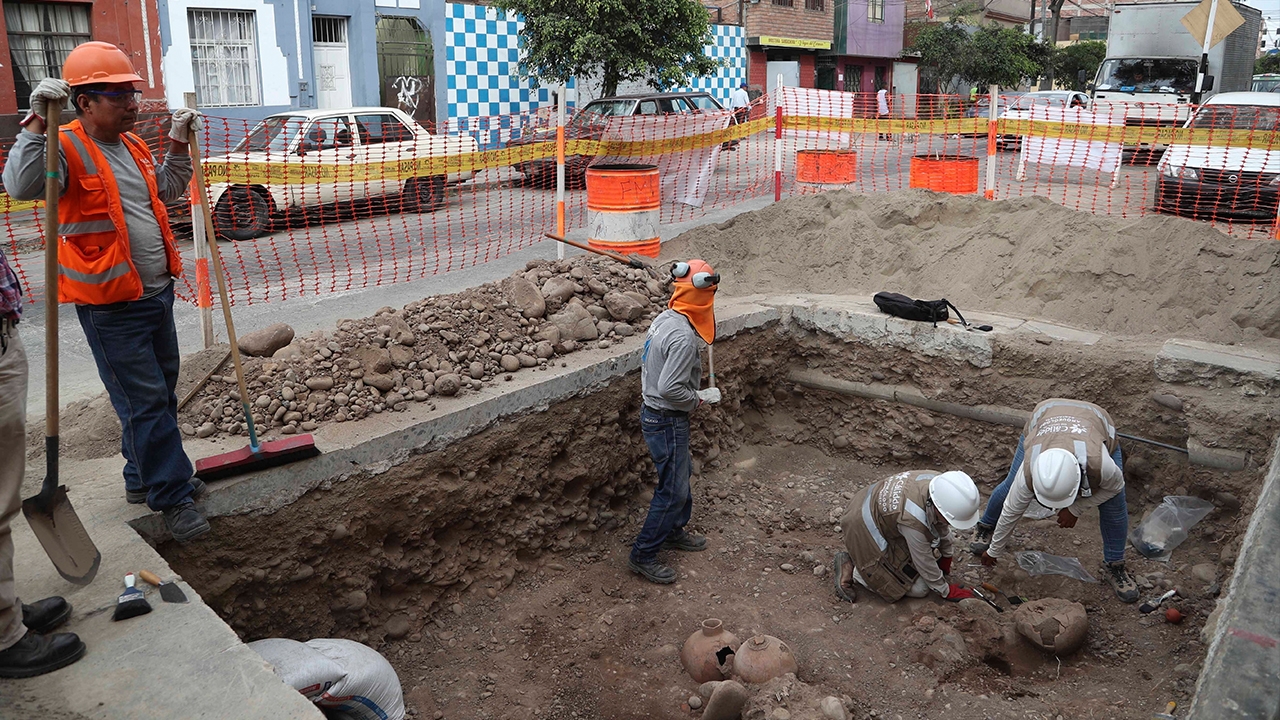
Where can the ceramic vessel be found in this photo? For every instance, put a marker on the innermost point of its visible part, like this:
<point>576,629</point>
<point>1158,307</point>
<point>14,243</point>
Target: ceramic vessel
<point>700,652</point>
<point>762,658</point>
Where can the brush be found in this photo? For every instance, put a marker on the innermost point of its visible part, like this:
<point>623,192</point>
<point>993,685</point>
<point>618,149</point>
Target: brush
<point>132,602</point>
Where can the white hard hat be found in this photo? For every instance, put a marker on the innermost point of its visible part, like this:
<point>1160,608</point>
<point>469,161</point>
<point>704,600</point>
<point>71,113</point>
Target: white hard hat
<point>1055,477</point>
<point>956,498</point>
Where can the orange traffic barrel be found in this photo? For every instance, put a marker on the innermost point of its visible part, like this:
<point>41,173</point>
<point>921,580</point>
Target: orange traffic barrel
<point>826,167</point>
<point>622,208</point>
<point>944,173</point>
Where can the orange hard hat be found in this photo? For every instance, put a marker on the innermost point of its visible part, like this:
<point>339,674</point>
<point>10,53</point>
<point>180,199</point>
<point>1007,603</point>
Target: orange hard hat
<point>695,272</point>
<point>98,62</point>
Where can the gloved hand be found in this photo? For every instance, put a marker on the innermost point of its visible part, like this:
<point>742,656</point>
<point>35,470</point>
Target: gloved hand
<point>956,593</point>
<point>49,90</point>
<point>184,120</point>
<point>944,564</point>
<point>987,560</point>
<point>1066,519</point>
<point>710,395</point>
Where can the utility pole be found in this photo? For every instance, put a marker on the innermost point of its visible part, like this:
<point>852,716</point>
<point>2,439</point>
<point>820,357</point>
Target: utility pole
<point>1051,34</point>
<point>1204,55</point>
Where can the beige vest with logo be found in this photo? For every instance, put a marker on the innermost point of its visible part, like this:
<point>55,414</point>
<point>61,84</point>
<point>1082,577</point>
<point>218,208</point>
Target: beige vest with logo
<point>871,530</point>
<point>1082,429</point>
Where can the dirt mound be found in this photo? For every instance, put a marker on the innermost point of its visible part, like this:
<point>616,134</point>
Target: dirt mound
<point>1155,276</point>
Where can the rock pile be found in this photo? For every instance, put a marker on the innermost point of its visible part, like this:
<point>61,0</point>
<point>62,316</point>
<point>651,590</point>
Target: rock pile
<point>443,345</point>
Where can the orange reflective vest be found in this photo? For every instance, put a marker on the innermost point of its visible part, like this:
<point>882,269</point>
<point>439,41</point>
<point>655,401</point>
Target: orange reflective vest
<point>94,263</point>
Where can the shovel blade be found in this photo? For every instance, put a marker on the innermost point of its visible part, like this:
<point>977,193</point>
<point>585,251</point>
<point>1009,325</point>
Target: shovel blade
<point>171,593</point>
<point>63,536</point>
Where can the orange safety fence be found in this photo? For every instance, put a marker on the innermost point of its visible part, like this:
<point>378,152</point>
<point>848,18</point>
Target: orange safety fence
<point>311,206</point>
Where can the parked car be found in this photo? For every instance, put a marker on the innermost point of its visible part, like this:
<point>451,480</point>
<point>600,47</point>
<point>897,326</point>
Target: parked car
<point>981,108</point>
<point>1213,180</point>
<point>589,124</point>
<point>1020,109</point>
<point>337,147</point>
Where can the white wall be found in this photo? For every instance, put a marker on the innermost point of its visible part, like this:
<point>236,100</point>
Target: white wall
<point>273,68</point>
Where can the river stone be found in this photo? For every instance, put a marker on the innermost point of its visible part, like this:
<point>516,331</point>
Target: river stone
<point>320,383</point>
<point>624,307</point>
<point>525,297</point>
<point>726,701</point>
<point>558,288</point>
<point>509,363</point>
<point>575,323</point>
<point>264,342</point>
<point>1052,624</point>
<point>448,384</point>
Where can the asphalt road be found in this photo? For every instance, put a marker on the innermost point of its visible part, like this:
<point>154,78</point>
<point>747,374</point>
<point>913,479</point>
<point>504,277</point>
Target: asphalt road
<point>313,272</point>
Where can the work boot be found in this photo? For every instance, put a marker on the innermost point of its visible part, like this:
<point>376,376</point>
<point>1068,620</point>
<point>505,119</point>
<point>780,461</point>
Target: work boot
<point>139,497</point>
<point>981,538</point>
<point>37,654</point>
<point>44,616</point>
<point>1121,581</point>
<point>842,573</point>
<point>653,571</point>
<point>185,522</point>
<point>685,542</point>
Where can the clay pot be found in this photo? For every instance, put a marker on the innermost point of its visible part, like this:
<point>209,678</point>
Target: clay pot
<point>698,656</point>
<point>762,658</point>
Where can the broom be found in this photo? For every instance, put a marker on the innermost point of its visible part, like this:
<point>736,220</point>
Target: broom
<point>258,456</point>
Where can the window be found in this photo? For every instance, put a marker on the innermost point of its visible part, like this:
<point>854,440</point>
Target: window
<point>376,129</point>
<point>785,3</point>
<point>224,57</point>
<point>41,35</point>
<point>819,5</point>
<point>875,11</point>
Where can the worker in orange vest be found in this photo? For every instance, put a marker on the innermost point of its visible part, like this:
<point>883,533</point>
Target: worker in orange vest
<point>117,260</point>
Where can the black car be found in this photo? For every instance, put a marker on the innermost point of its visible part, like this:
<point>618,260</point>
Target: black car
<point>589,124</point>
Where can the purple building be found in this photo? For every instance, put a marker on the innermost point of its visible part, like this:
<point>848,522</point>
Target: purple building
<point>865,51</point>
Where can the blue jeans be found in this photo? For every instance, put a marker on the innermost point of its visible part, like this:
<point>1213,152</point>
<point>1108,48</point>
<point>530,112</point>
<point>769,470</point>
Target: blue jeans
<point>135,346</point>
<point>1113,515</point>
<point>672,504</point>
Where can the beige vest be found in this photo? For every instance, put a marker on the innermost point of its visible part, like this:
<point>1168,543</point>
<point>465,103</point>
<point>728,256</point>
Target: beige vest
<point>1082,429</point>
<point>871,530</point>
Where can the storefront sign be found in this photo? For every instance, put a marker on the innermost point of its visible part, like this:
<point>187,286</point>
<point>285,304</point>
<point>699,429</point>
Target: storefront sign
<point>804,43</point>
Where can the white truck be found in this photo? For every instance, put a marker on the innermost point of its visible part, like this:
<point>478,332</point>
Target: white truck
<point>1152,61</point>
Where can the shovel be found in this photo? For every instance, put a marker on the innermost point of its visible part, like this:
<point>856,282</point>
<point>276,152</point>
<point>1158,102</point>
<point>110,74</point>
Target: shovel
<point>631,260</point>
<point>49,513</point>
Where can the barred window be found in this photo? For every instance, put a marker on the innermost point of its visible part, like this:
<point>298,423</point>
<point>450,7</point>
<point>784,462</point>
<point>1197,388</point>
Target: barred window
<point>41,35</point>
<point>224,57</point>
<point>785,3</point>
<point>819,5</point>
<point>875,11</point>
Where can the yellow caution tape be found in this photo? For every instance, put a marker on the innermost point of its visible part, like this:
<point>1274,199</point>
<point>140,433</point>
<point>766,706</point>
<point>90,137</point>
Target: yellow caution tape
<point>1136,135</point>
<point>8,204</point>
<point>949,126</point>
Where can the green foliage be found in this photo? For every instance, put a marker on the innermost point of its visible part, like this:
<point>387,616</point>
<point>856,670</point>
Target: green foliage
<point>1085,55</point>
<point>989,55</point>
<point>658,41</point>
<point>1267,64</point>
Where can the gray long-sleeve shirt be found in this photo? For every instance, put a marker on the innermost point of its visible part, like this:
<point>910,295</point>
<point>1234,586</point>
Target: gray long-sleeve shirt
<point>24,180</point>
<point>670,368</point>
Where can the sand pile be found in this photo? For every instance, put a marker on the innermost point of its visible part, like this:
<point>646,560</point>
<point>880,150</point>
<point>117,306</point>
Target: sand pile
<point>1155,276</point>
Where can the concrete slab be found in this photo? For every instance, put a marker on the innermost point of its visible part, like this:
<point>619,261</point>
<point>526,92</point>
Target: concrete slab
<point>1065,333</point>
<point>1200,363</point>
<point>1241,675</point>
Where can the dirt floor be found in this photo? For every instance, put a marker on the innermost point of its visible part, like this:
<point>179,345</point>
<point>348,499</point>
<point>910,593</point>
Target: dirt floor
<point>492,573</point>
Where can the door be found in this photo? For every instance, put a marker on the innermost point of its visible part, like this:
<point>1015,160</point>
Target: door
<point>326,151</point>
<point>904,83</point>
<point>386,141</point>
<point>332,62</point>
<point>788,69</point>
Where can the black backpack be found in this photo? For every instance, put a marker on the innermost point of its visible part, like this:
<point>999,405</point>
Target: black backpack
<point>900,305</point>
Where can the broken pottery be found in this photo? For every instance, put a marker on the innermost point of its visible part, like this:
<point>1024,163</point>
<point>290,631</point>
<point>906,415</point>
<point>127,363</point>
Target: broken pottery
<point>763,658</point>
<point>704,652</point>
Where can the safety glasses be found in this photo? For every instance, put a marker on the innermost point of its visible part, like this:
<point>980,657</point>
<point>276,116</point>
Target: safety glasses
<point>119,98</point>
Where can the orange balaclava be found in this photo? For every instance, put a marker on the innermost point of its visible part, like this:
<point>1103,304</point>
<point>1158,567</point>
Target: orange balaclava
<point>694,296</point>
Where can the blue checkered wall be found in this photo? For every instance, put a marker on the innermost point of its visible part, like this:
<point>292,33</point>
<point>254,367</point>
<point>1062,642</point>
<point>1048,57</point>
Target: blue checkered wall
<point>728,43</point>
<point>485,95</point>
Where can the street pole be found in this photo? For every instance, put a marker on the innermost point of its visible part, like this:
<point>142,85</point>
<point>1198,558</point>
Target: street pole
<point>993,113</point>
<point>204,296</point>
<point>1204,55</point>
<point>560,220</point>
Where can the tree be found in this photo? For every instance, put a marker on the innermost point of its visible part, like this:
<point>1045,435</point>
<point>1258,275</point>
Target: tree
<point>989,55</point>
<point>1267,64</point>
<point>658,41</point>
<point>1085,55</point>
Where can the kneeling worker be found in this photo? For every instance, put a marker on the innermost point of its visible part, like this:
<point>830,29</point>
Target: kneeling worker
<point>891,529</point>
<point>1075,464</point>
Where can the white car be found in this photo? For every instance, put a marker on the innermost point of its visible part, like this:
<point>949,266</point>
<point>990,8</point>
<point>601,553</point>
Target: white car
<point>1020,109</point>
<point>315,158</point>
<point>1213,180</point>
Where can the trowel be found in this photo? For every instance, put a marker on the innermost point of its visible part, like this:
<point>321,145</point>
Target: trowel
<point>169,590</point>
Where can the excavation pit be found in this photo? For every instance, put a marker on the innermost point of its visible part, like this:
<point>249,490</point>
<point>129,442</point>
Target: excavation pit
<point>482,547</point>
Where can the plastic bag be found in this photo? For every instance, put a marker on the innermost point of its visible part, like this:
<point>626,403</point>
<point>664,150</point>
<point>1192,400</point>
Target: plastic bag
<point>369,689</point>
<point>1038,563</point>
<point>1168,525</point>
<point>302,668</point>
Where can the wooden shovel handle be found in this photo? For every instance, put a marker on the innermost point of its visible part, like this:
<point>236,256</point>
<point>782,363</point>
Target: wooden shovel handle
<point>52,189</point>
<point>149,577</point>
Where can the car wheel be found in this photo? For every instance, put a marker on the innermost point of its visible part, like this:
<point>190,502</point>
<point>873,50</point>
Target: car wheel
<point>241,214</point>
<point>542,179</point>
<point>424,195</point>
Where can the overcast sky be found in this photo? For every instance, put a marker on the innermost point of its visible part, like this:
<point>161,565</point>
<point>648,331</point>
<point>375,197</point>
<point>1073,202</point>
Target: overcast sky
<point>1270,8</point>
